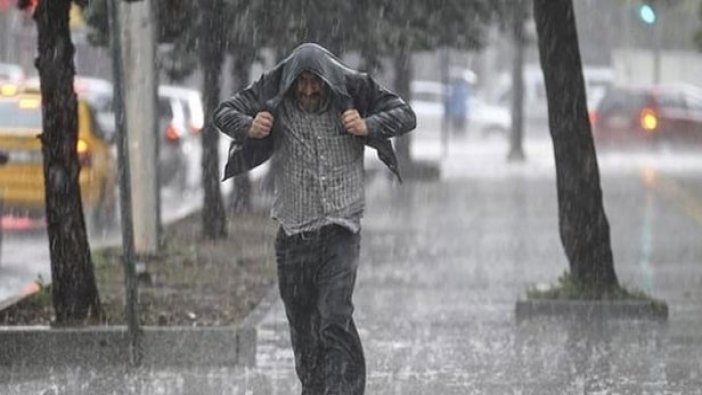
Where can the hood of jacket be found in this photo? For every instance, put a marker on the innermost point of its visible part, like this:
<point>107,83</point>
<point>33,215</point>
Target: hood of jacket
<point>319,61</point>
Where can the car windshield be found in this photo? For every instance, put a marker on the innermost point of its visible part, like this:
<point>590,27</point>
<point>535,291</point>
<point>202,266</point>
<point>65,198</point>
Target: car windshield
<point>20,114</point>
<point>622,101</point>
<point>99,102</point>
<point>164,109</point>
<point>186,109</point>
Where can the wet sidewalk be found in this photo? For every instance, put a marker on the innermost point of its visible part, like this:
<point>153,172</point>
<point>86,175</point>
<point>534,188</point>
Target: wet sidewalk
<point>442,266</point>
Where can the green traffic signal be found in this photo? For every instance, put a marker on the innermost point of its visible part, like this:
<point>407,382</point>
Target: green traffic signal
<point>647,14</point>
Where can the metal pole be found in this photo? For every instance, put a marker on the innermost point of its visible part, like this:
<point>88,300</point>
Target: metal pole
<point>516,149</point>
<point>445,79</point>
<point>124,184</point>
<point>6,36</point>
<point>626,73</point>
<point>656,30</point>
<point>139,99</point>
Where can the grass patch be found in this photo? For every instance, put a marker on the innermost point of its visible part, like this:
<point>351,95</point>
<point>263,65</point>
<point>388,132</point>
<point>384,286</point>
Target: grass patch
<point>568,289</point>
<point>193,282</point>
<point>36,309</point>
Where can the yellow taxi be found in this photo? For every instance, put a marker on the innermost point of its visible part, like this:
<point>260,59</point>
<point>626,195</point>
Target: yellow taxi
<point>22,177</point>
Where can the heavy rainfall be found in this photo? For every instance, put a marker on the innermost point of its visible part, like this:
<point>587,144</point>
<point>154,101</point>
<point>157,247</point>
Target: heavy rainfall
<point>420,197</point>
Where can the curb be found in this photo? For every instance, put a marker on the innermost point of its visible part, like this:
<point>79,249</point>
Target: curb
<point>248,330</point>
<point>109,346</point>
<point>28,290</point>
<point>43,346</point>
<point>421,170</point>
<point>589,310</point>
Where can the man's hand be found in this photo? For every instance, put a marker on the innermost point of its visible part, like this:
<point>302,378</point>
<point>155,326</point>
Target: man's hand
<point>353,123</point>
<point>261,126</point>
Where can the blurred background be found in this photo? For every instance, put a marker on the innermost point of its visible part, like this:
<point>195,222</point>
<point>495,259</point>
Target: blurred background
<point>625,44</point>
<point>471,71</point>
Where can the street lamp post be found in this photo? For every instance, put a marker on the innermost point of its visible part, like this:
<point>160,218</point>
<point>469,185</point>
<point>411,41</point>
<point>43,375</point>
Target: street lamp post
<point>649,16</point>
<point>128,255</point>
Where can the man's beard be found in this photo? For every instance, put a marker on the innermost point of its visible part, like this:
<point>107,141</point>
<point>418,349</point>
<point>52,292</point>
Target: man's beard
<point>311,103</point>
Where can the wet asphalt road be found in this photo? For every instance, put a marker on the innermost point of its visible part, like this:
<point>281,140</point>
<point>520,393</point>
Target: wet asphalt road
<point>443,264</point>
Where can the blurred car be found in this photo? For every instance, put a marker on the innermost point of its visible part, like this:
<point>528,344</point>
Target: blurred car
<point>488,119</point>
<point>192,121</point>
<point>11,72</point>
<point>98,93</point>
<point>95,91</point>
<point>428,102</point>
<point>597,80</point>
<point>171,120</point>
<point>11,79</point>
<point>649,115</point>
<point>172,124</point>
<point>191,101</point>
<point>22,177</point>
<point>172,158</point>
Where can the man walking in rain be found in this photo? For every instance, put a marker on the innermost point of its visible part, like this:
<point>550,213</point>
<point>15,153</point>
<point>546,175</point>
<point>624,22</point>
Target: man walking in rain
<point>315,116</point>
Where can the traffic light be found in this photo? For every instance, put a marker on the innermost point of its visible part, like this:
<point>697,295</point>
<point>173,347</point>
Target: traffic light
<point>647,14</point>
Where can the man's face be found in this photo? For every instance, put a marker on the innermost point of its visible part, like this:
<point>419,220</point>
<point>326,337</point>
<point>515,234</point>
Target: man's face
<point>309,90</point>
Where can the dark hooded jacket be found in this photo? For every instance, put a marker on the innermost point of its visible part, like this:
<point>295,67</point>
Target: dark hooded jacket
<point>385,113</point>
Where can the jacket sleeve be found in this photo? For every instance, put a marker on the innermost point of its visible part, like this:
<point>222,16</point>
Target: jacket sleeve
<point>234,116</point>
<point>387,115</point>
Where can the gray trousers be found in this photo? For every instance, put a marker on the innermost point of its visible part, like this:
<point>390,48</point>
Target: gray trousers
<point>316,277</point>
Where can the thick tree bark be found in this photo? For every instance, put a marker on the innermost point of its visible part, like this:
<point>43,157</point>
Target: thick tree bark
<point>74,290</point>
<point>211,57</point>
<point>240,199</point>
<point>370,60</point>
<point>583,224</point>
<point>516,150</point>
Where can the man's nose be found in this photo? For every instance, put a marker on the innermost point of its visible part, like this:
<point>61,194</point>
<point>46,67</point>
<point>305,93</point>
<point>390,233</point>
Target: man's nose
<point>307,89</point>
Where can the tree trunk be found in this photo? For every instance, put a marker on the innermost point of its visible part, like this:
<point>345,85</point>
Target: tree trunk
<point>516,150</point>
<point>370,60</point>
<point>211,58</point>
<point>403,78</point>
<point>240,199</point>
<point>74,290</point>
<point>583,225</point>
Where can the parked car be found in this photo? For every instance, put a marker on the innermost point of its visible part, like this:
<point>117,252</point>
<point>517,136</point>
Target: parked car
<point>173,160</point>
<point>95,91</point>
<point>193,119</point>
<point>597,80</point>
<point>11,79</point>
<point>428,102</point>
<point>669,114</point>
<point>192,105</point>
<point>489,119</point>
<point>98,93</point>
<point>22,178</point>
<point>172,120</point>
<point>11,72</point>
<point>172,123</point>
